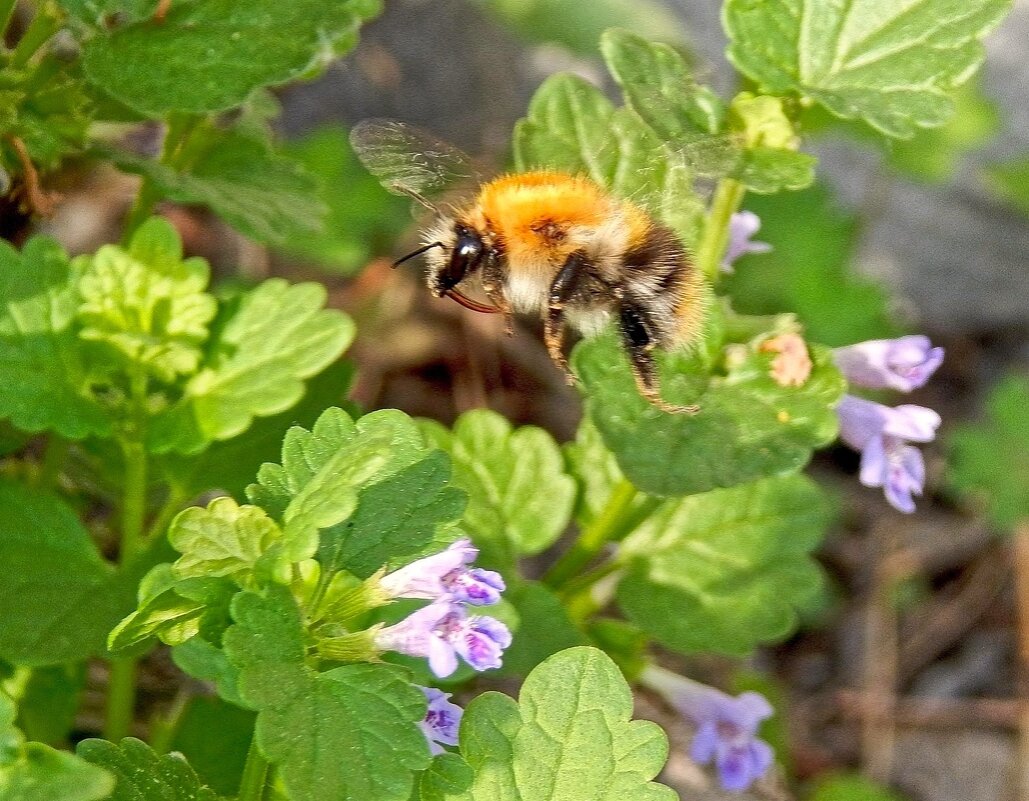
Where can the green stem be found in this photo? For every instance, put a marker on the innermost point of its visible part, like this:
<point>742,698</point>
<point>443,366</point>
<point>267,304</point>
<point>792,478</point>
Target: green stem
<point>728,196</point>
<point>610,523</point>
<point>179,128</point>
<point>171,507</point>
<point>165,727</point>
<point>134,501</point>
<point>43,26</point>
<point>255,775</point>
<point>121,691</point>
<point>121,699</point>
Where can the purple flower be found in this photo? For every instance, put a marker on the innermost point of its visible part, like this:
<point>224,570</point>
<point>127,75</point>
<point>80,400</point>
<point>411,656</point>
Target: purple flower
<point>742,226</point>
<point>442,720</point>
<point>443,630</point>
<point>726,726</point>
<point>882,434</point>
<point>444,576</point>
<point>903,364</point>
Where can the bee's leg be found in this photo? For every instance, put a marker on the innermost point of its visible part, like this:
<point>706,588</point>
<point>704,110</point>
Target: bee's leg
<point>639,343</point>
<point>493,278</point>
<point>565,284</point>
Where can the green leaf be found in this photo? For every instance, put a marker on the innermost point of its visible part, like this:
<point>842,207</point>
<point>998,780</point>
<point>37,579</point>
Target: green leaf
<point>225,539</point>
<point>748,425</point>
<point>572,127</point>
<point>338,478</point>
<point>519,496</point>
<point>44,774</point>
<point>752,142</point>
<point>43,376</point>
<point>770,162</point>
<point>239,176</point>
<point>279,336</point>
<point>209,55</point>
<point>990,460</point>
<point>809,271</point>
<point>935,154</point>
<point>141,773</point>
<point>308,723</point>
<point>364,219</point>
<point>1010,181</point>
<point>145,305</point>
<point>725,570</point>
<point>99,12</point>
<point>49,702</point>
<point>58,601</point>
<point>544,628</point>
<point>448,774</point>
<point>214,737</point>
<point>36,772</point>
<point>410,513</point>
<point>231,464</point>
<point>569,737</point>
<point>202,660</point>
<point>578,26</point>
<point>891,65</point>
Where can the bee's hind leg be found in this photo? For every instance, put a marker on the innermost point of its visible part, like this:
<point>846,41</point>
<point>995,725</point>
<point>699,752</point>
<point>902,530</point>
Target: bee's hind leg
<point>639,343</point>
<point>565,284</point>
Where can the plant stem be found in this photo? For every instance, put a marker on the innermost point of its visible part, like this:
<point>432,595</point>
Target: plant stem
<point>609,524</point>
<point>171,507</point>
<point>255,774</point>
<point>121,690</point>
<point>166,726</point>
<point>42,27</point>
<point>728,196</point>
<point>121,699</point>
<point>179,128</point>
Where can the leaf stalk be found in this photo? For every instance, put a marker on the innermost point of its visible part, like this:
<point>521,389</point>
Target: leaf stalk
<point>610,524</point>
<point>726,202</point>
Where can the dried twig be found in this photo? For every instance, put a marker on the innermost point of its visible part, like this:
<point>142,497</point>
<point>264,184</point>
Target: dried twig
<point>878,731</point>
<point>941,713</point>
<point>1021,559</point>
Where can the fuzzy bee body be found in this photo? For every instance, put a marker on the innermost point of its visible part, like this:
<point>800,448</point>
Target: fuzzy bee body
<point>561,246</point>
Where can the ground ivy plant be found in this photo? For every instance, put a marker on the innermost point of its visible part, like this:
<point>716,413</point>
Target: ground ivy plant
<point>181,470</point>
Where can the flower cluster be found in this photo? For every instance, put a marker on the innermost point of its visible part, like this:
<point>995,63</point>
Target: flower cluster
<point>444,629</point>
<point>726,727</point>
<point>882,433</point>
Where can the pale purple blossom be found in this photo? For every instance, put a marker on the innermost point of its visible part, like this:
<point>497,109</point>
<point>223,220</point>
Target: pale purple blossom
<point>442,631</point>
<point>726,726</point>
<point>742,226</point>
<point>445,575</point>
<point>442,720</point>
<point>903,364</point>
<point>882,433</point>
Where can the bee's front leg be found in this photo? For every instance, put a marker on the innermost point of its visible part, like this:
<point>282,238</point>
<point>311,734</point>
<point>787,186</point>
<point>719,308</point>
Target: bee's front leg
<point>639,343</point>
<point>494,275</point>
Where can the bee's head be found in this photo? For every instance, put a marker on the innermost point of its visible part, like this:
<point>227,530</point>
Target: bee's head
<point>453,252</point>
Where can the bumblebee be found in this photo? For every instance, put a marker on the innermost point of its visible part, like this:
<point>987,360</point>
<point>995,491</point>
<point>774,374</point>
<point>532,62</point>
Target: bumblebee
<point>548,243</point>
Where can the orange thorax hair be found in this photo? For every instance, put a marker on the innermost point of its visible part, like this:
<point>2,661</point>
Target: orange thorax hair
<point>537,213</point>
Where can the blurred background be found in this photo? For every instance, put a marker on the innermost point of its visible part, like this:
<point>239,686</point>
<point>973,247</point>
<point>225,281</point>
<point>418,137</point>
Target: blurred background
<point>909,673</point>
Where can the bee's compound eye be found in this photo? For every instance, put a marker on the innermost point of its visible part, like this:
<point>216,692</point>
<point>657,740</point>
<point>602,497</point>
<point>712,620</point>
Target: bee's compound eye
<point>464,258</point>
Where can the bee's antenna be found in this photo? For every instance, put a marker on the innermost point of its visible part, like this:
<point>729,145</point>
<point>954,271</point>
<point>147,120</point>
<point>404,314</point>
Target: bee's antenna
<point>418,252</point>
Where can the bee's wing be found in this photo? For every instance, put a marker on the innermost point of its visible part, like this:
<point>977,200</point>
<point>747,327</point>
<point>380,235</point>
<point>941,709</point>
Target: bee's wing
<point>409,161</point>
